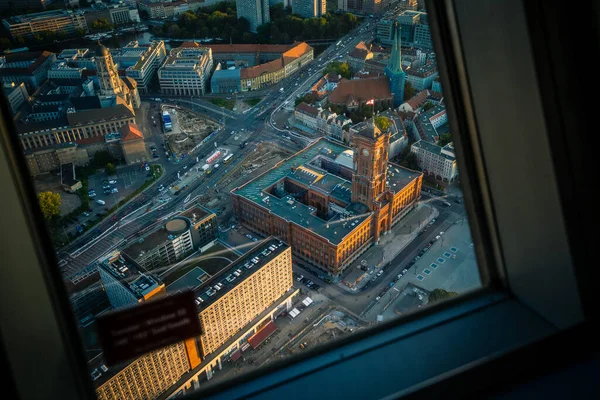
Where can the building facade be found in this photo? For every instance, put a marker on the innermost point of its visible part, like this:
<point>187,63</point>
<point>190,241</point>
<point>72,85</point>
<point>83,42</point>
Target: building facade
<point>165,246</point>
<point>186,71</point>
<point>204,226</point>
<point>56,20</point>
<point>255,11</point>
<point>141,62</point>
<point>133,144</point>
<point>394,72</point>
<point>309,8</point>
<point>422,78</point>
<point>329,210</point>
<point>15,94</point>
<point>306,115</point>
<point>436,161</point>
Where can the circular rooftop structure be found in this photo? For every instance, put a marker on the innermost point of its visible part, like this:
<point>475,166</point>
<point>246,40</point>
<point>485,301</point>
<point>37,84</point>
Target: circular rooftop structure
<point>346,158</point>
<point>178,225</point>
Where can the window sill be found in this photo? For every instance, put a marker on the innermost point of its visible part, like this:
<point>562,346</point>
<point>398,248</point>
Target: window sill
<point>419,352</point>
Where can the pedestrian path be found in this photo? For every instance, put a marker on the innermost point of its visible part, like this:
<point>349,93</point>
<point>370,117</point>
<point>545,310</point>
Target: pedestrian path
<point>389,246</point>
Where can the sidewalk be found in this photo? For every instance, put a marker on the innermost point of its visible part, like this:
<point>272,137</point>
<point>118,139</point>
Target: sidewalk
<point>389,246</point>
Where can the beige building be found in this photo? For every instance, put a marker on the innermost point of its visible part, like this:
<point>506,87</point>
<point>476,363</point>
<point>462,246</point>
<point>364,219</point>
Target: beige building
<point>51,158</point>
<point>134,147</point>
<point>186,71</point>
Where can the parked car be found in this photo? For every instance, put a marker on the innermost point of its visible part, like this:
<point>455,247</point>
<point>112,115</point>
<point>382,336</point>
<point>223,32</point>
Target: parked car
<point>87,214</point>
<point>380,273</point>
<point>299,278</point>
<point>112,182</point>
<point>114,190</point>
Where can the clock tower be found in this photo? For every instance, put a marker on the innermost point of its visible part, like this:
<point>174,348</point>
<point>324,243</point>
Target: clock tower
<point>370,165</point>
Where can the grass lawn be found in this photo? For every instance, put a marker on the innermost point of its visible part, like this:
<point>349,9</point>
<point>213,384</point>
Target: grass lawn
<point>206,261</point>
<point>253,102</point>
<point>228,104</point>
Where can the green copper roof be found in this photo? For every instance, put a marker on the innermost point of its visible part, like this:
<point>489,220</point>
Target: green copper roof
<point>395,64</point>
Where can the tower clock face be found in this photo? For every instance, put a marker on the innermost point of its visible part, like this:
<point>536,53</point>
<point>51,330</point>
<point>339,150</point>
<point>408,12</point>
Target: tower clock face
<point>365,152</point>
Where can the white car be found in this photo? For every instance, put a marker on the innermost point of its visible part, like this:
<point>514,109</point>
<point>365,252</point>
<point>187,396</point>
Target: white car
<point>377,298</point>
<point>380,273</point>
<point>112,181</point>
<point>147,168</point>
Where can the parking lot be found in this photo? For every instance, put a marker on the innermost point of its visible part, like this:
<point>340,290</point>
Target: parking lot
<point>126,181</point>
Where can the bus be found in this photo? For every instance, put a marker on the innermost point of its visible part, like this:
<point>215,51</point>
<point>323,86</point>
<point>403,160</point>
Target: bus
<point>167,121</point>
<point>226,159</point>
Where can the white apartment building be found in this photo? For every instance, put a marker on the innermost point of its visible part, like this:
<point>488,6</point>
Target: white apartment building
<point>186,71</point>
<point>307,115</point>
<point>141,62</point>
<point>436,161</point>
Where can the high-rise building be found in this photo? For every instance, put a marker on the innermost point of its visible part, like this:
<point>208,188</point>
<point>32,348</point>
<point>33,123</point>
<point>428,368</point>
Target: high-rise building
<point>309,8</point>
<point>394,72</point>
<point>237,305</point>
<point>255,11</point>
<point>146,377</point>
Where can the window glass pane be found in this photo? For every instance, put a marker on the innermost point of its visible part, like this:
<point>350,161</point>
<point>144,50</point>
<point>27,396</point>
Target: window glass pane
<point>296,172</point>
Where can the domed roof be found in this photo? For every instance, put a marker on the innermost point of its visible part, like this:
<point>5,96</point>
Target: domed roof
<point>101,50</point>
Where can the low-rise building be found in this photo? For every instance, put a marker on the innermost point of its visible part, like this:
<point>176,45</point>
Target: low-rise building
<point>355,93</point>
<point>226,80</point>
<point>30,68</point>
<point>436,161</point>
<point>54,21</point>
<point>62,70</point>
<point>186,70</point>
<point>134,146</point>
<point>422,78</point>
<point>306,115</point>
<point>431,124</point>
<point>15,94</point>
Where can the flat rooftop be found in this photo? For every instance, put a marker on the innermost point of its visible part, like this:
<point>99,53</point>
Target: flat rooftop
<point>236,272</point>
<point>156,238</point>
<point>196,213</point>
<point>299,168</point>
<point>133,277</point>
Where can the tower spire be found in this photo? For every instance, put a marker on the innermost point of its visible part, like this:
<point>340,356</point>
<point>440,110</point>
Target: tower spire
<point>395,64</point>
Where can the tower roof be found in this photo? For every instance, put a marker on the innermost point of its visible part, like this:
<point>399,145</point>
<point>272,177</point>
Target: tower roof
<point>370,130</point>
<point>101,50</point>
<point>395,64</point>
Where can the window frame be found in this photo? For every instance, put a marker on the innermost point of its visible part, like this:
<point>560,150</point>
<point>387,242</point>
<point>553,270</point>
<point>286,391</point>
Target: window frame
<point>50,328</point>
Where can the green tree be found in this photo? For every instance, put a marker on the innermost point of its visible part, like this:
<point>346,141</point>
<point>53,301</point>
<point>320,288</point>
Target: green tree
<point>101,24</point>
<point>110,169</point>
<point>409,91</point>
<point>50,204</point>
<point>440,294</point>
<point>382,122</point>
<point>428,106</point>
<point>339,68</point>
<point>409,160</point>
<point>144,15</point>
<point>444,139</point>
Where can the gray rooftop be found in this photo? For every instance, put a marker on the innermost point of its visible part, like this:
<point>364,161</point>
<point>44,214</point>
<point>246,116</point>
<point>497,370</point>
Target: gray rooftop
<point>132,276</point>
<point>438,150</point>
<point>236,272</point>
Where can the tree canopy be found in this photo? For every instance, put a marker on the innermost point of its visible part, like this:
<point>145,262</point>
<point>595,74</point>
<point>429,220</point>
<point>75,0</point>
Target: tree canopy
<point>339,68</point>
<point>110,169</point>
<point>102,24</point>
<point>50,204</point>
<point>444,139</point>
<point>220,21</point>
<point>409,91</point>
<point>440,294</point>
<point>382,122</point>
<point>428,106</point>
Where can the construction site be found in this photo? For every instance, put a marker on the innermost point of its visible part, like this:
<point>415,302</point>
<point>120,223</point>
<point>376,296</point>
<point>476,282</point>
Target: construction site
<point>189,129</point>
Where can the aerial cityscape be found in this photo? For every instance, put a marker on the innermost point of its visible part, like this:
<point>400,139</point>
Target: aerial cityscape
<point>290,163</point>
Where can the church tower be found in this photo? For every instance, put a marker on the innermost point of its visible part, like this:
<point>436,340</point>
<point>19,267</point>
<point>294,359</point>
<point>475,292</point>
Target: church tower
<point>393,70</point>
<point>108,76</point>
<point>370,165</point>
